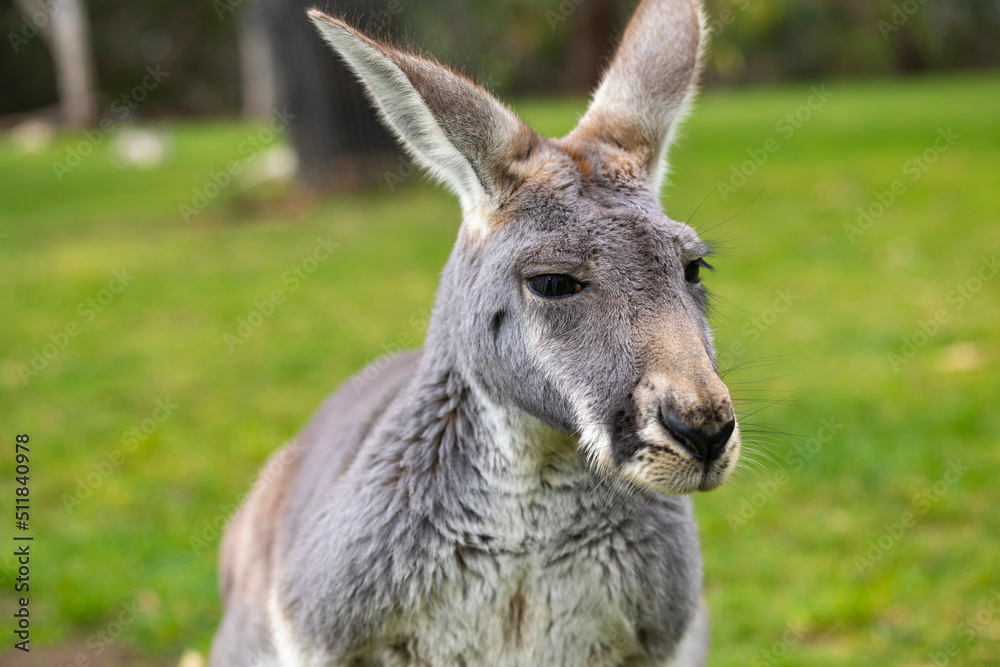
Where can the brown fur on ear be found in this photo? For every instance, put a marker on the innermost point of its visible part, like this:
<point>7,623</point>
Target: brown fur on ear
<point>452,126</point>
<point>645,92</point>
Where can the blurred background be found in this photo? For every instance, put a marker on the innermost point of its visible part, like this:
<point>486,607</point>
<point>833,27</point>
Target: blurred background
<point>203,232</point>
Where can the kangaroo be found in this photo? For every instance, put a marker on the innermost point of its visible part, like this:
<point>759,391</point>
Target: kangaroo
<point>514,493</point>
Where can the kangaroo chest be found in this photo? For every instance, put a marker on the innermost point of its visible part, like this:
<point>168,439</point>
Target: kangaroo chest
<point>549,569</point>
<point>558,582</point>
<point>519,609</point>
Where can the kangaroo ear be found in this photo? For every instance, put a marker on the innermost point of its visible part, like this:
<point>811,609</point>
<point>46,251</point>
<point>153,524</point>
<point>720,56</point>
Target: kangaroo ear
<point>648,88</point>
<point>459,132</point>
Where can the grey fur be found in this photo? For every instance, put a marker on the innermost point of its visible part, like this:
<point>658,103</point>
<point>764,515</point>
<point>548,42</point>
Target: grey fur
<point>503,497</point>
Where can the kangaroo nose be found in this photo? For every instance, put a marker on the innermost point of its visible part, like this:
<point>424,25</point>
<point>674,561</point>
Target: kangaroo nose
<point>704,445</point>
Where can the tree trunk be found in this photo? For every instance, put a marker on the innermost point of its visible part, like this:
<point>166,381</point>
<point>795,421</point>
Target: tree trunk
<point>335,130</point>
<point>258,84</point>
<point>590,44</point>
<point>67,34</point>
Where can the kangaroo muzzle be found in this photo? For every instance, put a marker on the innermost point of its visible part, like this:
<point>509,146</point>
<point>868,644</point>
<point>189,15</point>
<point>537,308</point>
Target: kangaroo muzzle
<point>686,423</point>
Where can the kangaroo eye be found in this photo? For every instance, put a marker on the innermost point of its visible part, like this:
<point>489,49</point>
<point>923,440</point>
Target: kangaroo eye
<point>554,285</point>
<point>692,272</point>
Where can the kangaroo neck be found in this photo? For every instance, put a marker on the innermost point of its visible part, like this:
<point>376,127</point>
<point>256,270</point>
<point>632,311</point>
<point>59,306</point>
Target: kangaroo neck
<point>486,475</point>
<point>447,415</point>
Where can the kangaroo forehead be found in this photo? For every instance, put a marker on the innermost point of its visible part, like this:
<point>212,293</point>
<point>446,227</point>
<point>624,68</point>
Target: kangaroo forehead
<point>558,164</point>
<point>573,227</point>
<point>558,189</point>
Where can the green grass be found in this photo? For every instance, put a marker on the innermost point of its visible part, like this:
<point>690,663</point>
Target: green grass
<point>808,514</point>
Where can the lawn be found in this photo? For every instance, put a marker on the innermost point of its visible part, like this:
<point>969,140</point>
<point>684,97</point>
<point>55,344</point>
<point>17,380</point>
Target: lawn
<point>863,529</point>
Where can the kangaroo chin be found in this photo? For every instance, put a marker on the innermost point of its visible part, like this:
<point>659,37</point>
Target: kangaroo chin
<point>511,494</point>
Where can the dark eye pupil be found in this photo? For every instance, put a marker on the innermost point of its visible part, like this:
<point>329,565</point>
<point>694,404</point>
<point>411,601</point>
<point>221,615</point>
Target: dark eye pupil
<point>692,271</point>
<point>554,285</point>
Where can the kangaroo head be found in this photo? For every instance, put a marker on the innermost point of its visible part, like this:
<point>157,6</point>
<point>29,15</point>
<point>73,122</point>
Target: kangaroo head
<point>569,293</point>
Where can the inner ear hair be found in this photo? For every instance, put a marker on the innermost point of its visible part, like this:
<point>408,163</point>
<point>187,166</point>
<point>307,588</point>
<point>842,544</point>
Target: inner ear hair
<point>649,86</point>
<point>451,126</point>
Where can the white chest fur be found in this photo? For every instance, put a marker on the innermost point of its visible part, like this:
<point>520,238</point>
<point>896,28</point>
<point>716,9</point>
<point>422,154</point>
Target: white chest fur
<point>536,609</point>
<point>536,596</point>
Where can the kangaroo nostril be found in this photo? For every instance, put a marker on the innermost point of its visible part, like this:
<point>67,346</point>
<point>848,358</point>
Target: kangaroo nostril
<point>704,445</point>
